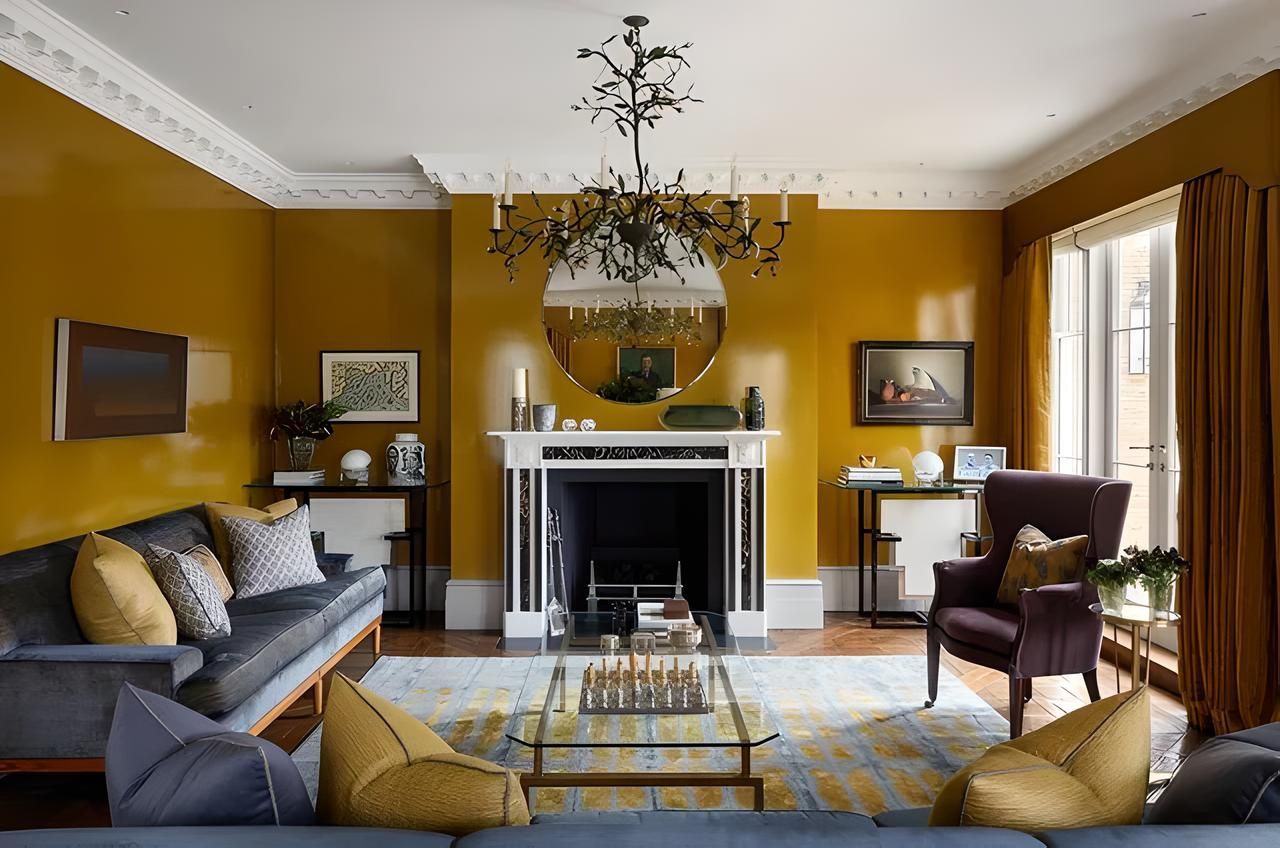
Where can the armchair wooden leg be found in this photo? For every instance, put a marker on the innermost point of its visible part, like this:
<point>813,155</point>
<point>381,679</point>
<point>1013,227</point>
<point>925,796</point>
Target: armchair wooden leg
<point>1015,706</point>
<point>1091,683</point>
<point>1026,691</point>
<point>935,653</point>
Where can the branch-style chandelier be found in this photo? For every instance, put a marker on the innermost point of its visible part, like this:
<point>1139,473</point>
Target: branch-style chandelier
<point>630,233</point>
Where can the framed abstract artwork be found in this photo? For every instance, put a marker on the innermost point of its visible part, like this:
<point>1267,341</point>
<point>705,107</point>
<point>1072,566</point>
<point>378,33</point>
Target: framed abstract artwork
<point>114,381</point>
<point>375,386</point>
<point>915,383</point>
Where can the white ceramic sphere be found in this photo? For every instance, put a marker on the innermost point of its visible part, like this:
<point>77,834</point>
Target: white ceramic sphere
<point>356,460</point>
<point>928,466</point>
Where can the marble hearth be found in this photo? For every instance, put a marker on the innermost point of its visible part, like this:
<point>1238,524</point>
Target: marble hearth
<point>537,466</point>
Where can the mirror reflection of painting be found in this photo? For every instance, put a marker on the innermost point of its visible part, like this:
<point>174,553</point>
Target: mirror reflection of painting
<point>600,331</point>
<point>916,382</point>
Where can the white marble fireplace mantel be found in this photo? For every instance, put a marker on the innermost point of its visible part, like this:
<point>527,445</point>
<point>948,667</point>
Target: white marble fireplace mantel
<point>529,457</point>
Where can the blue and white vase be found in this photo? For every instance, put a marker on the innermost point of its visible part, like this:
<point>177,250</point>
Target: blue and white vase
<point>406,461</point>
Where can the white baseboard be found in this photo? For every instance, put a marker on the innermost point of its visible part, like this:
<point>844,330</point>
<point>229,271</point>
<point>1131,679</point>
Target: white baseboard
<point>793,604</point>
<point>473,605</point>
<point>840,589</point>
<point>398,586</point>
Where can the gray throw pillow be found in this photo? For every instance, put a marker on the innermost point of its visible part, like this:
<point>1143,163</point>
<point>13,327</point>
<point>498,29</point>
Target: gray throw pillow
<point>195,599</point>
<point>270,557</point>
<point>1230,779</point>
<point>168,766</point>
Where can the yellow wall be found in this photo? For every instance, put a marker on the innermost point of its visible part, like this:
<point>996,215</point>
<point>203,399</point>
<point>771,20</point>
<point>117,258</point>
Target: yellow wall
<point>898,275</point>
<point>368,280</point>
<point>770,342</point>
<point>99,225</point>
<point>1239,133</point>
<point>595,362</point>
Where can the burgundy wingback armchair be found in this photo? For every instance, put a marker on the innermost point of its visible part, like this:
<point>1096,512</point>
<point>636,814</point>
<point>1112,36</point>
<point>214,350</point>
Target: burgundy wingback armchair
<point>1051,630</point>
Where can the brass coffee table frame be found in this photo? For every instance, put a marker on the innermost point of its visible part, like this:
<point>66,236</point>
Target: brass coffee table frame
<point>740,778</point>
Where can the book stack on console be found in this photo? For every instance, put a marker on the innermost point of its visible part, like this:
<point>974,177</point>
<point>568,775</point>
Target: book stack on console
<point>850,475</point>
<point>310,477</point>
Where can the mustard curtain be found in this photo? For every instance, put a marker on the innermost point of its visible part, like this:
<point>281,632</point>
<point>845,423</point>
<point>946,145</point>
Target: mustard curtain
<point>1228,415</point>
<point>1023,389</point>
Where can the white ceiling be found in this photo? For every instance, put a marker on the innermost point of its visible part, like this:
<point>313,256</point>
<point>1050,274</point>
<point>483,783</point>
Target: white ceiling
<point>899,93</point>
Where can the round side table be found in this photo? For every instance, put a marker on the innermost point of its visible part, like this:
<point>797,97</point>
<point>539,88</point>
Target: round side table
<point>1138,619</point>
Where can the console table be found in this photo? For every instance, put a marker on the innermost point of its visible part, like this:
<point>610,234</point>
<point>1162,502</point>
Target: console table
<point>872,530</point>
<point>415,532</point>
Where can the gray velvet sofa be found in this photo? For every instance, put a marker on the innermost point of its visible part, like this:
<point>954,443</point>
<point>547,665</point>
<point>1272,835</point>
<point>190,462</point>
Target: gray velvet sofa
<point>58,692</point>
<point>643,830</point>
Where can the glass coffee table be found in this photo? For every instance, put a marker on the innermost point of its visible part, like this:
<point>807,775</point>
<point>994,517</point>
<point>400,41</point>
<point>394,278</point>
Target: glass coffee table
<point>717,707</point>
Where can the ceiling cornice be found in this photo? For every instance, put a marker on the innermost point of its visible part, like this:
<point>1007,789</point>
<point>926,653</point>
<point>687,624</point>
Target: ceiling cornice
<point>1147,124</point>
<point>47,47</point>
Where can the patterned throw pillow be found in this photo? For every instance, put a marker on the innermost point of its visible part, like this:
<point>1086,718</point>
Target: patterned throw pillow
<point>1036,560</point>
<point>211,566</point>
<point>194,598</point>
<point>270,557</point>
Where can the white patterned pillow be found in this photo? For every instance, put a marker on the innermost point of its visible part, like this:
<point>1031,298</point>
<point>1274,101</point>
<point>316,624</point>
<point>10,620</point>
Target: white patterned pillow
<point>270,557</point>
<point>196,602</point>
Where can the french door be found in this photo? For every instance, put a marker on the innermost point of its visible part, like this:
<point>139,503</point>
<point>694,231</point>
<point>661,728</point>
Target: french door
<point>1114,297</point>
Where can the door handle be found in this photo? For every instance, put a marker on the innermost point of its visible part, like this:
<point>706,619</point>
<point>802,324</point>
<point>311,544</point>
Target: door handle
<point>1148,466</point>
<point>1143,447</point>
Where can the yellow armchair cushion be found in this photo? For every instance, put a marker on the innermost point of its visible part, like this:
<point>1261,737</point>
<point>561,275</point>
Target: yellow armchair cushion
<point>115,597</point>
<point>1036,560</point>
<point>381,767</point>
<point>1087,769</point>
<point>218,511</point>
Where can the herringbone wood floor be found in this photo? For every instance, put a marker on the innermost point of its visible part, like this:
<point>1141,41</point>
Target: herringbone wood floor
<point>28,801</point>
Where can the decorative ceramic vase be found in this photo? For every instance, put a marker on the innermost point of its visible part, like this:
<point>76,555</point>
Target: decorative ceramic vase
<point>755,409</point>
<point>1161,598</point>
<point>406,461</point>
<point>1112,598</point>
<point>302,449</point>
<point>544,417</point>
<point>355,466</point>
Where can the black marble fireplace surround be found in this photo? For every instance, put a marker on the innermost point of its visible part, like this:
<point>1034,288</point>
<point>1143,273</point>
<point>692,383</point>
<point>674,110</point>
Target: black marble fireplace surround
<point>637,523</point>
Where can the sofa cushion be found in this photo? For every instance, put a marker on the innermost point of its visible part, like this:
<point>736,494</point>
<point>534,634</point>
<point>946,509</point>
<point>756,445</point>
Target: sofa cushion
<point>226,837</point>
<point>218,511</point>
<point>845,822</point>
<point>269,557</point>
<point>169,766</point>
<point>236,666</point>
<point>990,628</point>
<point>116,600</point>
<point>334,599</point>
<point>1036,560</point>
<point>1088,768</point>
<point>911,817</point>
<point>381,767</point>
<point>1231,779</point>
<point>192,595</point>
<point>209,562</point>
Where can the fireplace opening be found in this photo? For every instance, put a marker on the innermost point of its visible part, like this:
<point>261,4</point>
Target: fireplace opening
<point>645,531</point>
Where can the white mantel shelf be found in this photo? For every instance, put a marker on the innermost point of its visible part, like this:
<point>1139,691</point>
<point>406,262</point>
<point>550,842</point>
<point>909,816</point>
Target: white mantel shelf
<point>527,449</point>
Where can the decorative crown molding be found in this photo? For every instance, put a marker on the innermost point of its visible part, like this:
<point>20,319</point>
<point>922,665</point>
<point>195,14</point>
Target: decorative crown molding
<point>47,47</point>
<point>1162,117</point>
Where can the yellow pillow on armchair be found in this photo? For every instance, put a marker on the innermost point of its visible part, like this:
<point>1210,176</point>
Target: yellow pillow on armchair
<point>1036,560</point>
<point>1086,769</point>
<point>381,767</point>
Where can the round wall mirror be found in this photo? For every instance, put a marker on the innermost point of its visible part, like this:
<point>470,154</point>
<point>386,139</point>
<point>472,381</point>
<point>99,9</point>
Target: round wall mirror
<point>634,342</point>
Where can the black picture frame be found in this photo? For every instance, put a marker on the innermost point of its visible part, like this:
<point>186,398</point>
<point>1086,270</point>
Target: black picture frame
<point>934,404</point>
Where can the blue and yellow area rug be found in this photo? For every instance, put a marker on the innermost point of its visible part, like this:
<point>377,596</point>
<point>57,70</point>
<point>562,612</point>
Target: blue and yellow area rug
<point>854,734</point>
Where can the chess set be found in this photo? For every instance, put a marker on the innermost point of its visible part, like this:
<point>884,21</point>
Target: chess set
<point>643,691</point>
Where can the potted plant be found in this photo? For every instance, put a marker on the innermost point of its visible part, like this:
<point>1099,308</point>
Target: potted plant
<point>303,425</point>
<point>1156,570</point>
<point>1112,577</point>
<point>627,389</point>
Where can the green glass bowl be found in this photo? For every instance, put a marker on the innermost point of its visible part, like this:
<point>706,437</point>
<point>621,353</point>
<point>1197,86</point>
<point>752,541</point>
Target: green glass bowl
<point>705,417</point>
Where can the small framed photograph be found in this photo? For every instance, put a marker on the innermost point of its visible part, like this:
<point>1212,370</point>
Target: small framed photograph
<point>915,383</point>
<point>974,462</point>
<point>375,386</point>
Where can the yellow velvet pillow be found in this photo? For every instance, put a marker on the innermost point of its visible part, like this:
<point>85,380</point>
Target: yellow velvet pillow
<point>1036,560</point>
<point>115,598</point>
<point>381,767</point>
<point>218,511</point>
<point>1086,769</point>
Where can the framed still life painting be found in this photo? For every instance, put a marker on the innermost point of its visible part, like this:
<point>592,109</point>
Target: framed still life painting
<point>915,383</point>
<point>115,381</point>
<point>374,386</point>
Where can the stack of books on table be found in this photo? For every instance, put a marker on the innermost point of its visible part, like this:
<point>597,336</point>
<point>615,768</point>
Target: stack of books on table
<point>310,477</point>
<point>850,475</point>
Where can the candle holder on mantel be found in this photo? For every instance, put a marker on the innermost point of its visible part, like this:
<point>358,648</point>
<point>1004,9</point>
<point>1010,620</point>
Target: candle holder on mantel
<point>520,420</point>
